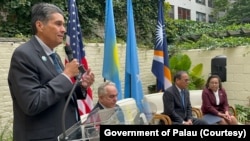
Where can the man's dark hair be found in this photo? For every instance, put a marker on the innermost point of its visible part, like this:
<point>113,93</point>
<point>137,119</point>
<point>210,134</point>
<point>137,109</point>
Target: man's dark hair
<point>42,12</point>
<point>178,75</point>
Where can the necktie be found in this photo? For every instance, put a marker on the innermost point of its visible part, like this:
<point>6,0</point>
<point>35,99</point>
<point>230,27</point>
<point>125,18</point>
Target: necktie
<point>183,97</point>
<point>56,63</point>
<point>59,70</point>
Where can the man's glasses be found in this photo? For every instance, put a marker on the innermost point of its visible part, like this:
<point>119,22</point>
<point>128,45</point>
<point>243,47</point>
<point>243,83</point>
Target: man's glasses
<point>112,96</point>
<point>186,80</point>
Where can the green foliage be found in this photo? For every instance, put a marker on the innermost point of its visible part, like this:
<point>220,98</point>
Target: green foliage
<point>179,62</point>
<point>181,34</point>
<point>197,80</point>
<point>187,27</point>
<point>5,131</point>
<point>208,43</point>
<point>243,113</point>
<point>238,12</point>
<point>183,62</point>
<point>197,35</point>
<point>219,5</point>
<point>91,15</point>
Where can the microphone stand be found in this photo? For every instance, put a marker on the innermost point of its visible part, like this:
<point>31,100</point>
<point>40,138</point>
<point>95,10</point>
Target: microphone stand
<point>78,78</point>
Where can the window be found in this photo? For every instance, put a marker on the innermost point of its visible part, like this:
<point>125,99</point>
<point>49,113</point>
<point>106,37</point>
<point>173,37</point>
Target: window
<point>211,3</point>
<point>200,17</point>
<point>201,2</point>
<point>171,12</point>
<point>211,19</point>
<point>183,13</point>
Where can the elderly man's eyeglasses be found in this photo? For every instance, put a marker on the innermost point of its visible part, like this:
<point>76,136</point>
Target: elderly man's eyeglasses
<point>186,80</point>
<point>112,96</point>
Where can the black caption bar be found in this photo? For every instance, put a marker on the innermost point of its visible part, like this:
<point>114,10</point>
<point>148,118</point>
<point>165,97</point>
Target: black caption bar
<point>209,132</point>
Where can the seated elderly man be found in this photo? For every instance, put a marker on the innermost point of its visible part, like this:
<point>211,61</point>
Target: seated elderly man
<point>176,101</point>
<point>106,105</point>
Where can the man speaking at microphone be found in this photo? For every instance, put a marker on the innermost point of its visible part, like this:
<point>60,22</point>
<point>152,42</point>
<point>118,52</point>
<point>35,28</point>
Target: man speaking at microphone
<point>39,83</point>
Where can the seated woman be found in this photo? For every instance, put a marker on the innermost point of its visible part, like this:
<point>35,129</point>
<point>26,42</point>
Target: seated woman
<point>215,103</point>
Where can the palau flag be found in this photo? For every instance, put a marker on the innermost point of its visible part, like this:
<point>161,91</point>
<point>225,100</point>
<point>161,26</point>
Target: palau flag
<point>111,59</point>
<point>133,86</point>
<point>160,65</point>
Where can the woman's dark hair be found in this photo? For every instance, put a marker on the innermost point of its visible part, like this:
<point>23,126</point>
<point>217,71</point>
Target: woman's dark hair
<point>213,76</point>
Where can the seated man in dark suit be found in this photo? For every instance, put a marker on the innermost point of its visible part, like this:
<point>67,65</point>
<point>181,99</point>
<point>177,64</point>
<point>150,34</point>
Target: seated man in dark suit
<point>106,111</point>
<point>107,98</point>
<point>177,103</point>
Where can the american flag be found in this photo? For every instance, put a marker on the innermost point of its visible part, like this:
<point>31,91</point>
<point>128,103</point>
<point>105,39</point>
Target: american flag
<point>74,40</point>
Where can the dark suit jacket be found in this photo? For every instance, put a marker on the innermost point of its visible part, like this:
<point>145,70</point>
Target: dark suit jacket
<point>39,95</point>
<point>209,102</point>
<point>173,106</point>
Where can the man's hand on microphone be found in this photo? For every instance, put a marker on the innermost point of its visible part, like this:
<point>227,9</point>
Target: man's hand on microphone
<point>71,68</point>
<point>88,78</point>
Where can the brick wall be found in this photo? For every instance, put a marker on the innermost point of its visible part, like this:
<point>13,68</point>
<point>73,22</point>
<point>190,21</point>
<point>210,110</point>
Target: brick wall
<point>94,55</point>
<point>238,70</point>
<point>237,84</point>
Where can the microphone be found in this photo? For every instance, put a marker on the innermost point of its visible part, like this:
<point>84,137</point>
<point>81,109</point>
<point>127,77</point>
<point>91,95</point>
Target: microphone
<point>69,53</point>
<point>81,69</point>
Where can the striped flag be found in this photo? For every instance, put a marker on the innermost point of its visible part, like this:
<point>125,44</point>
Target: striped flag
<point>74,40</point>
<point>111,59</point>
<point>160,65</point>
<point>133,86</point>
